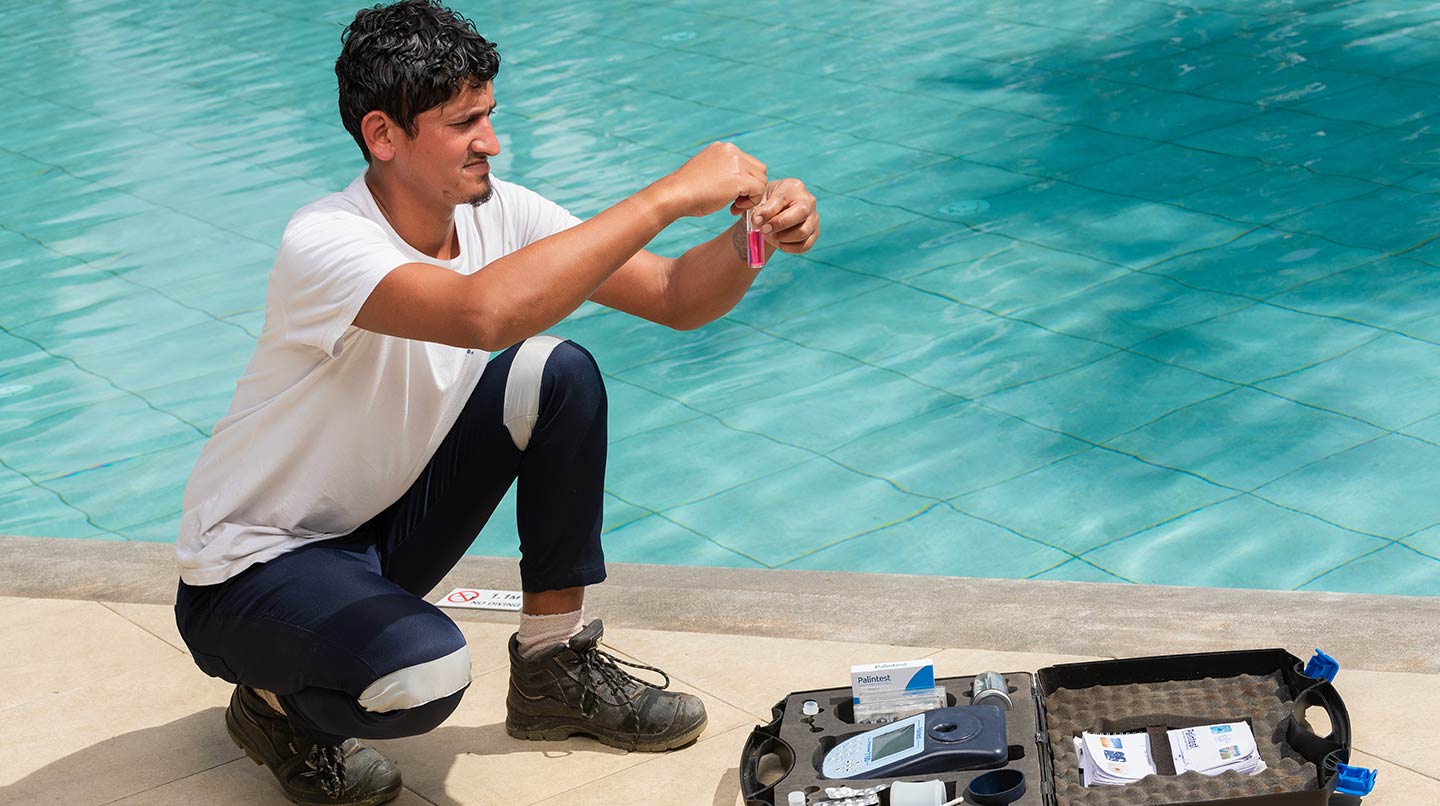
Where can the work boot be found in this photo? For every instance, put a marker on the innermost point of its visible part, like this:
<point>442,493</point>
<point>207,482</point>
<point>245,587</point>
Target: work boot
<point>347,774</point>
<point>577,688</point>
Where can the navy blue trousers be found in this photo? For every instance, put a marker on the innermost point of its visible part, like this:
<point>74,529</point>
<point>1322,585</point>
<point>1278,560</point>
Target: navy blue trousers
<point>318,626</point>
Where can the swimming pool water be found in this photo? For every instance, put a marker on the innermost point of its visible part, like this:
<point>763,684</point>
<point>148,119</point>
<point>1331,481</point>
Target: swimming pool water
<point>1116,291</point>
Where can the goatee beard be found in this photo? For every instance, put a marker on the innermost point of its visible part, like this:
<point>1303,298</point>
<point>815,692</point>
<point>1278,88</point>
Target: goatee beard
<point>483,196</point>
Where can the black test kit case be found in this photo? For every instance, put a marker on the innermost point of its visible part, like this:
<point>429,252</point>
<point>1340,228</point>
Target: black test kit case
<point>1269,688</point>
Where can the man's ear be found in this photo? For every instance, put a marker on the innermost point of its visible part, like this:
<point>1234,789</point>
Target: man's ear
<point>381,134</point>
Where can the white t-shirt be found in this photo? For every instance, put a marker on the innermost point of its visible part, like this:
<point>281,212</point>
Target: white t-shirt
<point>330,424</point>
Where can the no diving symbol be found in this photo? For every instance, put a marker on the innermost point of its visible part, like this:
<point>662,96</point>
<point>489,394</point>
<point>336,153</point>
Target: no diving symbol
<point>461,597</point>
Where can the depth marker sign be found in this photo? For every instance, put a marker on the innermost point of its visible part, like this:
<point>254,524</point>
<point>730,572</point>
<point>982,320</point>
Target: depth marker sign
<point>481,599</point>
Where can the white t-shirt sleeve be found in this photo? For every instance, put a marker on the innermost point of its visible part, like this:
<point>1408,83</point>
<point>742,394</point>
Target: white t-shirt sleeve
<point>328,264</point>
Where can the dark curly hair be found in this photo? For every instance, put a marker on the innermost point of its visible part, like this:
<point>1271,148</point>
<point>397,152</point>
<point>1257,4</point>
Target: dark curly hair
<point>406,58</point>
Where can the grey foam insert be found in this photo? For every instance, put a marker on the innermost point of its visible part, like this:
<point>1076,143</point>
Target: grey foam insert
<point>1263,700</point>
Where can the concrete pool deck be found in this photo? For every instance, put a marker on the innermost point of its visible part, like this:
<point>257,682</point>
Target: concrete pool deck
<point>100,704</point>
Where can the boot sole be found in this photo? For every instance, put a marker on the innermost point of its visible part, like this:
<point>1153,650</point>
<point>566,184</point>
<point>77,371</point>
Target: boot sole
<point>384,796</point>
<point>558,729</point>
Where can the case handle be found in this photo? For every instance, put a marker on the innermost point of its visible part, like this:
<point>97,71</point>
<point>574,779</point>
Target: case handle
<point>758,745</point>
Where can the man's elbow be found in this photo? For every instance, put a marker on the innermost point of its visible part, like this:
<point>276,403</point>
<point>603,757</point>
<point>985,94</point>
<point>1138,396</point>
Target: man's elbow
<point>490,330</point>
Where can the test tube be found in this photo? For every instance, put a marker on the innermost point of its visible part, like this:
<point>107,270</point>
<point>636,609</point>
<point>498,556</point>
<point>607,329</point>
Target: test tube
<point>754,240</point>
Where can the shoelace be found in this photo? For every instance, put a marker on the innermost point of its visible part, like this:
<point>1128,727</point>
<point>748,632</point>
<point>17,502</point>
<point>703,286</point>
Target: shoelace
<point>328,762</point>
<point>605,666</point>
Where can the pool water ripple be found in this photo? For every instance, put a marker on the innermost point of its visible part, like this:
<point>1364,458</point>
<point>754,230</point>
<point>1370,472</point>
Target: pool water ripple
<point>1150,298</point>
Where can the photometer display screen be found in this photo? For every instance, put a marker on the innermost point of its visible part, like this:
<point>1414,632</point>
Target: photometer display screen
<point>889,744</point>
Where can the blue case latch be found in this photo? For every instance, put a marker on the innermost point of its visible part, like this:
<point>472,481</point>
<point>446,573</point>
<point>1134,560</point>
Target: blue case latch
<point>1322,667</point>
<point>1357,781</point>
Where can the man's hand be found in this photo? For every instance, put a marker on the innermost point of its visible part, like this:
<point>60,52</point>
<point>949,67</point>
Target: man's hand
<point>787,216</point>
<point>720,174</point>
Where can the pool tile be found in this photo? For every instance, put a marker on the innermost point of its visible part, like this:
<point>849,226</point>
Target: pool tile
<point>692,460</point>
<point>879,324</point>
<point>1044,207</point>
<point>955,450</point>
<point>1427,429</point>
<point>1108,398</point>
<point>1256,343</point>
<point>1057,150</point>
<point>1078,570</point>
<point>160,530</point>
<point>1163,172</point>
<point>838,410</point>
<point>1385,293</point>
<point>1240,543</point>
<point>992,355</point>
<point>65,442</point>
<point>793,287</point>
<point>24,261</point>
<point>1262,263</point>
<point>200,401</point>
<point>39,511</point>
<point>860,217</point>
<point>1396,569</point>
<point>1163,116</point>
<point>1387,219</point>
<point>1402,104</point>
<point>95,322</point>
<point>131,491</point>
<point>1380,488</point>
<point>1427,181</point>
<point>779,517</point>
<point>1175,69</point>
<point>964,179</point>
<point>11,481</point>
<point>942,541</point>
<point>1301,86</point>
<point>787,148</point>
<point>1244,438</point>
<point>1131,308</point>
<point>932,114</point>
<point>1391,382</point>
<point>1090,499</point>
<point>620,513</point>
<point>1280,136</point>
<point>634,410</point>
<point>1273,194</point>
<point>912,249</point>
<point>744,370</point>
<point>1426,541</point>
<point>1387,155</point>
<point>35,385</point>
<point>1021,276</point>
<point>1146,234</point>
<point>620,341</point>
<point>656,539</point>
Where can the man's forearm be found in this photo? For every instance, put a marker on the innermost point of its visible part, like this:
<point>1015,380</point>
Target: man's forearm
<point>709,279</point>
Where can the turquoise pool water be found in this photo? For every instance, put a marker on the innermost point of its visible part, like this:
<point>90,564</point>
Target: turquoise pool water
<point>1118,291</point>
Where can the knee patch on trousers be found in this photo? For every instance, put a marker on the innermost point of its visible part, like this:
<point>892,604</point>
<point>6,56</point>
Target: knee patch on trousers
<point>527,373</point>
<point>418,684</point>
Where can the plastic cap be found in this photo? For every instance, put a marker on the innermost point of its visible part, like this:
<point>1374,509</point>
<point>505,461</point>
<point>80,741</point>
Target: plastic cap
<point>796,798</point>
<point>809,708</point>
<point>1322,667</point>
<point>1357,781</point>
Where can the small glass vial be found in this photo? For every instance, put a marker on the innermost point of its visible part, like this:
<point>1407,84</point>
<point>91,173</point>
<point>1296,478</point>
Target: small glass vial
<point>754,241</point>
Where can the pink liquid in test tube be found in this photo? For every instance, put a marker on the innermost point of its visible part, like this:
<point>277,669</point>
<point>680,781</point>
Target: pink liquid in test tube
<point>755,241</point>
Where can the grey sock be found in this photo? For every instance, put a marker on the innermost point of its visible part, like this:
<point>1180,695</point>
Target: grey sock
<point>538,633</point>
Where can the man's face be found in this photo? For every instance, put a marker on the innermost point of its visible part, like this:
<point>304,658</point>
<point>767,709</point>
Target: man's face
<point>453,143</point>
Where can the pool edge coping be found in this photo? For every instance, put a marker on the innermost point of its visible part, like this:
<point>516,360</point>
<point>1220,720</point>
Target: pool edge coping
<point>1364,631</point>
